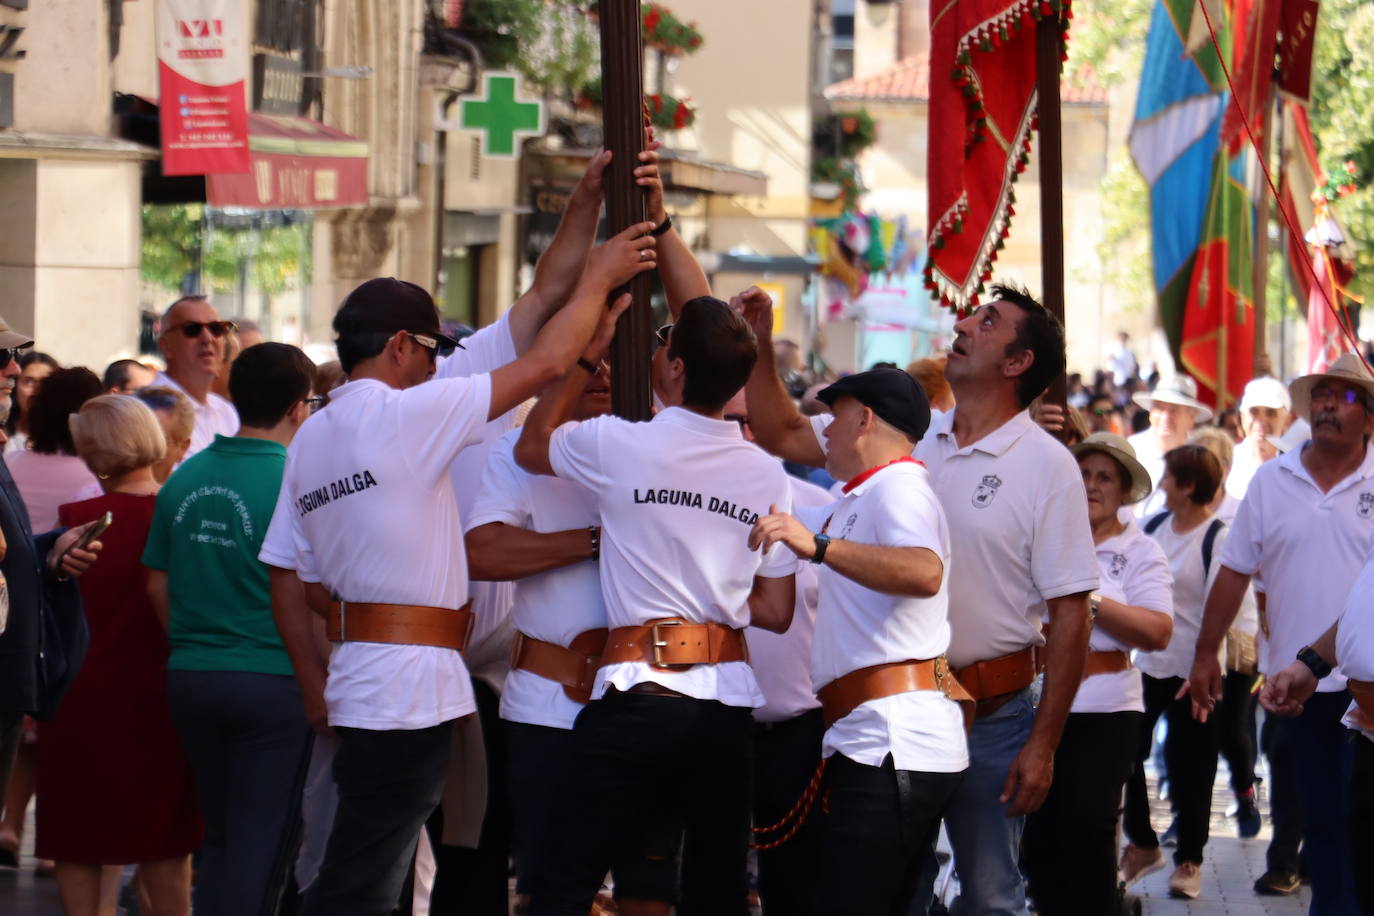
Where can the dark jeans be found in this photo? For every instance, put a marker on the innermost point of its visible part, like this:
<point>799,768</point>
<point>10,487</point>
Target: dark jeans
<point>786,755</point>
<point>1190,753</point>
<point>540,781</point>
<point>248,743</point>
<point>476,882</point>
<point>1285,810</point>
<point>877,832</point>
<point>643,760</point>
<point>1069,847</point>
<point>389,784</point>
<point>1237,729</point>
<point>1362,822</point>
<point>1323,759</point>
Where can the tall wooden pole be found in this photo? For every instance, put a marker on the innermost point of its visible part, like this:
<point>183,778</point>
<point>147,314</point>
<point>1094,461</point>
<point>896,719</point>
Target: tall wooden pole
<point>1048,47</point>
<point>1259,277</point>
<point>622,91</point>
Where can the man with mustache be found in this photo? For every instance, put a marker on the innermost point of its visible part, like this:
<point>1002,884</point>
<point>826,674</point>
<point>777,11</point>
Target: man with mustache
<point>1304,527</point>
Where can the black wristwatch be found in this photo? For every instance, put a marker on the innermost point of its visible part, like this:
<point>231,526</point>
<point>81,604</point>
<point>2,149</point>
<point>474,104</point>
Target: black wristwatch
<point>822,542</point>
<point>662,227</point>
<point>1319,666</point>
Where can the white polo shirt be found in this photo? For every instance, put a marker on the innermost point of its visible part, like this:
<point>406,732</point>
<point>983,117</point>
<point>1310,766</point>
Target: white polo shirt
<point>782,661</point>
<point>372,517</point>
<point>1151,457</point>
<point>1019,532</point>
<point>1191,586</point>
<point>1134,571</point>
<point>677,497</point>
<point>857,627</point>
<point>216,416</point>
<point>1355,638</point>
<point>1310,545</point>
<point>556,605</point>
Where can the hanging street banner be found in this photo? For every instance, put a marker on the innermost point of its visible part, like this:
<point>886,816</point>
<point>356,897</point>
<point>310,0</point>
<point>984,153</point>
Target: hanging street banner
<point>501,116</point>
<point>203,60</point>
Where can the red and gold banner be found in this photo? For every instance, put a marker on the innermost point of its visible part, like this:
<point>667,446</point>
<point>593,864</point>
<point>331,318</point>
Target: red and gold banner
<point>203,60</point>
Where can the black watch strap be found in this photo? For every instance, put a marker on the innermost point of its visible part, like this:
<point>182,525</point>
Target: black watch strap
<point>1319,666</point>
<point>587,364</point>
<point>822,542</point>
<point>662,227</point>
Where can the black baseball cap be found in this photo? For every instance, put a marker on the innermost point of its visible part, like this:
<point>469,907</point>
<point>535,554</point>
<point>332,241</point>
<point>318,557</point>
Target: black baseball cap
<point>385,305</point>
<point>892,394</point>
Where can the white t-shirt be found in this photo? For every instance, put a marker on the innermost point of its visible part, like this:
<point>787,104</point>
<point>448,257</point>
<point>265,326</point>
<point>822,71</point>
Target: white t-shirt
<point>1310,545</point>
<point>1247,620</point>
<point>1191,587</point>
<point>215,417</point>
<point>782,661</point>
<point>553,606</point>
<point>372,517</point>
<point>1133,571</point>
<point>677,496</point>
<point>1018,526</point>
<point>1151,457</point>
<point>857,627</point>
<point>1355,636</point>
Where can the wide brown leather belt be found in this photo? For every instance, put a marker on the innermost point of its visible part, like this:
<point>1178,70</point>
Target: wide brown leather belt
<point>399,624</point>
<point>574,667</point>
<point>992,681</point>
<point>1363,692</point>
<point>674,643</point>
<point>1099,661</point>
<point>849,691</point>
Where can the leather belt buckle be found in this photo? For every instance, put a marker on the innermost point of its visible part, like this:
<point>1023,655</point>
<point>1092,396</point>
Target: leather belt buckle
<point>658,644</point>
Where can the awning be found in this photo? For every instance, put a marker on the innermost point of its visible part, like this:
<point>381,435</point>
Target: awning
<point>295,163</point>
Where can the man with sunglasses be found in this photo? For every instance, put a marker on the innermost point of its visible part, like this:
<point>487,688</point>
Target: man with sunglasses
<point>1304,528</point>
<point>192,344</point>
<point>377,535</point>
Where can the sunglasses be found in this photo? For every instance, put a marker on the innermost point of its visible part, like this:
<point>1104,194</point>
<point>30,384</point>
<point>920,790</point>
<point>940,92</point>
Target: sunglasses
<point>314,403</point>
<point>431,344</point>
<point>192,329</point>
<point>739,418</point>
<point>1101,411</point>
<point>661,335</point>
<point>9,355</point>
<point>1322,392</point>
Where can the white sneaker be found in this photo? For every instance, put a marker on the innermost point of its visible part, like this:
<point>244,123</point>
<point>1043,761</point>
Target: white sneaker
<point>1186,881</point>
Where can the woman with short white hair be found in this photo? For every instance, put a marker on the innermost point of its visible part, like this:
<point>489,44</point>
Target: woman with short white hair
<point>114,786</point>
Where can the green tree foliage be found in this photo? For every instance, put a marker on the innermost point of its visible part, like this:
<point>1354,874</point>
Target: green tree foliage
<point>275,256</point>
<point>553,43</point>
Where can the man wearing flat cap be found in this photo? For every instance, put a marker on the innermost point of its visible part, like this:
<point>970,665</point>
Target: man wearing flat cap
<point>894,746</point>
<point>1304,529</point>
<point>1174,411</point>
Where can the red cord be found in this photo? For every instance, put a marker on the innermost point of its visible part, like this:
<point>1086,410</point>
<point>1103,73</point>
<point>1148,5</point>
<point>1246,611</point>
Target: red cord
<point>1273,189</point>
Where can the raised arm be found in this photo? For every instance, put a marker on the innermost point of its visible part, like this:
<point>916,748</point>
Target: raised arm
<point>498,552</point>
<point>568,332</point>
<point>778,426</point>
<point>556,403</point>
<point>562,263</point>
<point>683,279</point>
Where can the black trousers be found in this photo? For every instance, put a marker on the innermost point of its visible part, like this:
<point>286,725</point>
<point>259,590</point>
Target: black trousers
<point>786,756</point>
<point>1190,753</point>
<point>1237,729</point>
<point>541,777</point>
<point>389,783</point>
<point>643,760</point>
<point>878,827</point>
<point>1069,847</point>
<point>1362,822</point>
<point>1285,808</point>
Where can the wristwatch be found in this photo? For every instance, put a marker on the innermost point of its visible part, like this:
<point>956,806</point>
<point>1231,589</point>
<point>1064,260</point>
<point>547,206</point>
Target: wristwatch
<point>1094,604</point>
<point>822,542</point>
<point>1319,666</point>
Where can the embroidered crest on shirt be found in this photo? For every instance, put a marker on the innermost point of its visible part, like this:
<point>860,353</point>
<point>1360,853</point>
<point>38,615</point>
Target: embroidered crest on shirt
<point>982,496</point>
<point>1365,507</point>
<point>849,525</point>
<point>1118,565</point>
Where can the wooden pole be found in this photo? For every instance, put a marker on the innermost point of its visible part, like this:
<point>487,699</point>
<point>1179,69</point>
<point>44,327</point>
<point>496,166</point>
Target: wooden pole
<point>622,89</point>
<point>1259,277</point>
<point>1048,48</point>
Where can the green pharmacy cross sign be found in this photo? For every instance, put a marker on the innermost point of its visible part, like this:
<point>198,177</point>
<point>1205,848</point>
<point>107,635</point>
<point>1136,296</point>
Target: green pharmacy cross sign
<point>500,116</point>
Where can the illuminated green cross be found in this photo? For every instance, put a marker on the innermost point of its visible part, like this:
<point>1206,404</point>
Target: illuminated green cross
<point>500,116</point>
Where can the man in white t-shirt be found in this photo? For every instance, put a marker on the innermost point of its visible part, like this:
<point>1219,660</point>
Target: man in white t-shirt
<point>667,736</point>
<point>1174,411</point>
<point>378,541</point>
<point>192,344</point>
<point>1265,415</point>
<point>1305,526</point>
<point>895,746</point>
<point>1349,642</point>
<point>1021,543</point>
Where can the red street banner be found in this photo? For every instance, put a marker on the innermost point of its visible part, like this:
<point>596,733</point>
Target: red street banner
<point>202,55</point>
<point>1299,27</point>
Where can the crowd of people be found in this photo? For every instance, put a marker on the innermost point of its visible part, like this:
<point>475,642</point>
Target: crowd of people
<point>338,639</point>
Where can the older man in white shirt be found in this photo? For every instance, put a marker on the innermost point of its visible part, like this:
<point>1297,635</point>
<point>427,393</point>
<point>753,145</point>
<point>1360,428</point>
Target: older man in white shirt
<point>192,344</point>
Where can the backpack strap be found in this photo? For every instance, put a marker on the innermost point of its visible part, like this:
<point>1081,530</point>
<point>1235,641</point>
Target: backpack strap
<point>1152,524</point>
<point>1208,540</point>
